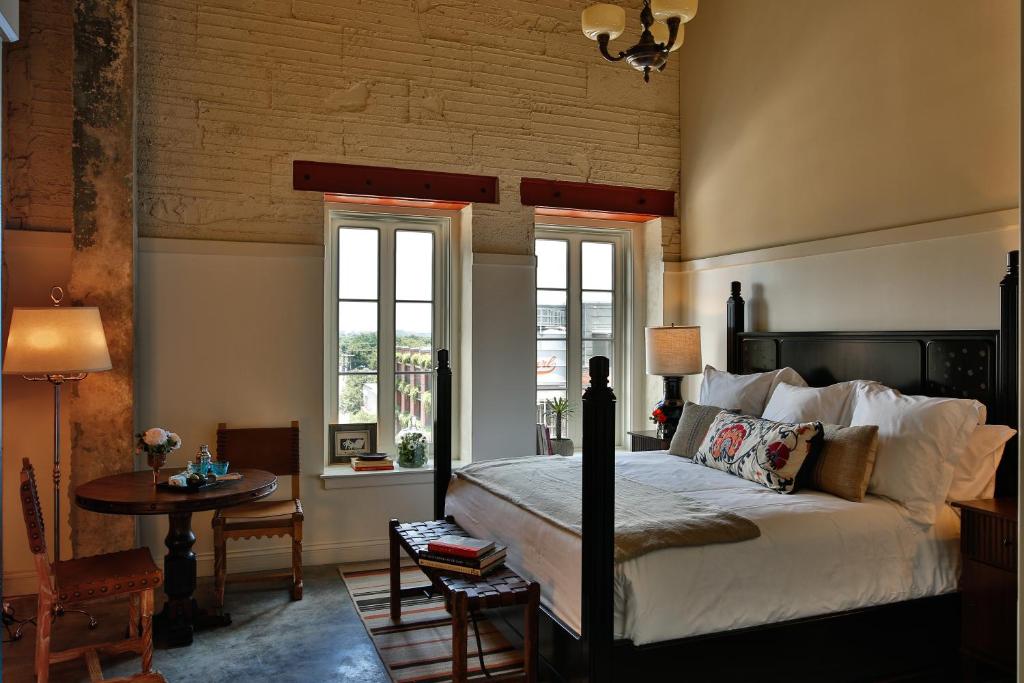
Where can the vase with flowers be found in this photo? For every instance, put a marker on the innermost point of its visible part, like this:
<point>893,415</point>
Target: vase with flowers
<point>412,448</point>
<point>156,443</point>
<point>659,417</point>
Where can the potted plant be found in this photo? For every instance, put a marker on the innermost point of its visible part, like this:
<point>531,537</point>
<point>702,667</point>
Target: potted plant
<point>412,448</point>
<point>561,409</point>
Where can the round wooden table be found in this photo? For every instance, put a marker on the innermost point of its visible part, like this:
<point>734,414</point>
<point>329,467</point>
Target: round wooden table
<point>133,493</point>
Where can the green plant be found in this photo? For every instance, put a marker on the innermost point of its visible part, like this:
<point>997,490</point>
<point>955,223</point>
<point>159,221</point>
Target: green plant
<point>562,409</point>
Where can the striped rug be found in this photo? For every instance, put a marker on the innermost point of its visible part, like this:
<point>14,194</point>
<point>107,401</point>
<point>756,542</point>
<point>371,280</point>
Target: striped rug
<point>419,648</point>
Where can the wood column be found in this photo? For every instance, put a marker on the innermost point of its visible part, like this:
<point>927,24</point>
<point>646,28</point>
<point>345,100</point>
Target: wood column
<point>103,258</point>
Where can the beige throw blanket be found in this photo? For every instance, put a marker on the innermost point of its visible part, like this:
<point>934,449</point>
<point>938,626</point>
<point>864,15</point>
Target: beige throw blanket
<point>646,518</point>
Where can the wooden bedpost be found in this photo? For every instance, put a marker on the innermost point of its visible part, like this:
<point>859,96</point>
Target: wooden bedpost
<point>442,431</point>
<point>1009,299</point>
<point>734,326</point>
<point>598,569</point>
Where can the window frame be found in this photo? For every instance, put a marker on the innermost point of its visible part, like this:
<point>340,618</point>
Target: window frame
<point>621,379</point>
<point>386,225</point>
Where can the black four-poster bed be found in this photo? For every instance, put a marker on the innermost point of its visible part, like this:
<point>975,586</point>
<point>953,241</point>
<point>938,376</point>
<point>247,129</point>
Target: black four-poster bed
<point>917,637</point>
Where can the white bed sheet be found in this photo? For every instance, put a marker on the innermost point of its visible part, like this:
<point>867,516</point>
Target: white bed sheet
<point>816,554</point>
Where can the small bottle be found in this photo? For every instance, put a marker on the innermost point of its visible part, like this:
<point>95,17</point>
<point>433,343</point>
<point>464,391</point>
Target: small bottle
<point>203,459</point>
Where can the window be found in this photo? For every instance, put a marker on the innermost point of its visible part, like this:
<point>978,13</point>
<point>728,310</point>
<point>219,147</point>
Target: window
<point>581,287</point>
<point>388,277</point>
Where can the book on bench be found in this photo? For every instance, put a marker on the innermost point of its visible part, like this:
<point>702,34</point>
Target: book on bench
<point>480,566</point>
<point>460,546</point>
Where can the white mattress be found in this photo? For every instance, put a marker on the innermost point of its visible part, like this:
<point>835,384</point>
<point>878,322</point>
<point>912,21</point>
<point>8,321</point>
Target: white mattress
<point>816,554</point>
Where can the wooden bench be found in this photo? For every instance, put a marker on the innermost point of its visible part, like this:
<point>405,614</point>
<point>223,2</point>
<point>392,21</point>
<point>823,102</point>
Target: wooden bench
<point>463,594</point>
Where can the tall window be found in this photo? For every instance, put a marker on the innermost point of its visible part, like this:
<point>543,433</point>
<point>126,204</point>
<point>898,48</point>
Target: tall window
<point>389,278</point>
<point>581,283</point>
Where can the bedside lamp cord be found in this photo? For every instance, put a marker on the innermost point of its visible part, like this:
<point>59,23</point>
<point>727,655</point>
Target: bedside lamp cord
<point>479,647</point>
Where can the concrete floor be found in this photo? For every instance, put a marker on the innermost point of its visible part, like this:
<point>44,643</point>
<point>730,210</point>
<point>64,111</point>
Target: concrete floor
<point>316,640</point>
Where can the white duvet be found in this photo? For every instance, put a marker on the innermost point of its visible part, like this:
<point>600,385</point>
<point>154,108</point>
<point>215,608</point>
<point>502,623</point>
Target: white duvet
<point>816,554</point>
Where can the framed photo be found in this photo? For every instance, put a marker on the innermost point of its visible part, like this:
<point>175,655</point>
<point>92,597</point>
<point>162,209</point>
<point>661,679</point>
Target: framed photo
<point>348,440</point>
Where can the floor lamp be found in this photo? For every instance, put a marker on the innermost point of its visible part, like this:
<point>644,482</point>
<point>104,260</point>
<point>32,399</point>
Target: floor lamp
<point>56,345</point>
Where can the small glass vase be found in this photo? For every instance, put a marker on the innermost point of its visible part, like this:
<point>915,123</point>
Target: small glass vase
<point>412,455</point>
<point>156,461</point>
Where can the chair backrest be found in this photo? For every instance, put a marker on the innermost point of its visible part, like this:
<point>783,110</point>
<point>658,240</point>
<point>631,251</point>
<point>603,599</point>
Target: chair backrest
<point>274,449</point>
<point>33,514</point>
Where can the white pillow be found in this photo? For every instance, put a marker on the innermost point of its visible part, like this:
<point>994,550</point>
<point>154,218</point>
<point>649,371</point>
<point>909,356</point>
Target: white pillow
<point>975,475</point>
<point>744,393</point>
<point>920,441</point>
<point>831,404</point>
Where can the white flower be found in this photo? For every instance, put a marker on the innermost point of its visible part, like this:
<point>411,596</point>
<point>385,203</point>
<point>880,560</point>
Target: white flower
<point>173,441</point>
<point>154,436</point>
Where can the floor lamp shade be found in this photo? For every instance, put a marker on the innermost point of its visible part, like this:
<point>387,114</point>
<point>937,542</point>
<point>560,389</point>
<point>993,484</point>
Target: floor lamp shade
<point>56,341</point>
<point>673,351</point>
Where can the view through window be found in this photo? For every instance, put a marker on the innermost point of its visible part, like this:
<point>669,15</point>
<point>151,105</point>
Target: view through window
<point>580,283</point>
<point>389,281</point>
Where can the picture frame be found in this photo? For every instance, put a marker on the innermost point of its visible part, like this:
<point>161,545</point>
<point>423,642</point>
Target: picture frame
<point>348,440</point>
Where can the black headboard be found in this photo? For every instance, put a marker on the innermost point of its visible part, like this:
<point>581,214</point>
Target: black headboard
<point>976,364</point>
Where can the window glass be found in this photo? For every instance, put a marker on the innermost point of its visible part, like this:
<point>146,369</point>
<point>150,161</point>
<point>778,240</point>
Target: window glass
<point>414,265</point>
<point>357,263</point>
<point>598,265</point>
<point>552,259</point>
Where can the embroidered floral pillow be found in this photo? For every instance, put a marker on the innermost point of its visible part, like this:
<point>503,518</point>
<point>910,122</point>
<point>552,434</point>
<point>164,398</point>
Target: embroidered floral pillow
<point>769,453</point>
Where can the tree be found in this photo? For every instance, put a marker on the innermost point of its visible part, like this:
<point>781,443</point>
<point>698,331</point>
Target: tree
<point>351,398</point>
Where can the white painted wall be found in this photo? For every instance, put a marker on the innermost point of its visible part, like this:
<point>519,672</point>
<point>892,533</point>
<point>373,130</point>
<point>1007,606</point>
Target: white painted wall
<point>504,356</point>
<point>232,332</point>
<point>938,275</point>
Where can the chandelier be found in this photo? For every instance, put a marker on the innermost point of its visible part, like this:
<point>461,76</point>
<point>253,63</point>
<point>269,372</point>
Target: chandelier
<point>663,31</point>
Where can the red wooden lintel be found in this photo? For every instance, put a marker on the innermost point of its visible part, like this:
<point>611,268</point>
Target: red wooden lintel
<point>562,194</point>
<point>380,181</point>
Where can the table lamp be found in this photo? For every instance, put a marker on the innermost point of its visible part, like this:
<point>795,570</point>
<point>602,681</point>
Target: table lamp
<point>673,352</point>
<point>56,345</point>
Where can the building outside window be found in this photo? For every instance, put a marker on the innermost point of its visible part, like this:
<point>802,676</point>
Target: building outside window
<point>386,318</point>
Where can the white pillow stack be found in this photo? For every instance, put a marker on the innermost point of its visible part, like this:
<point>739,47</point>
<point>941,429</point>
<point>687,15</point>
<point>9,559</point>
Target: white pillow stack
<point>746,394</point>
<point>975,474</point>
<point>832,404</point>
<point>920,441</point>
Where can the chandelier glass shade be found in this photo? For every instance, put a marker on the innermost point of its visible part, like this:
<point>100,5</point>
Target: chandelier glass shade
<point>662,22</point>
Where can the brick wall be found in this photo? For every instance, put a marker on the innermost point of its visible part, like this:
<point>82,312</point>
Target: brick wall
<point>231,91</point>
<point>37,127</point>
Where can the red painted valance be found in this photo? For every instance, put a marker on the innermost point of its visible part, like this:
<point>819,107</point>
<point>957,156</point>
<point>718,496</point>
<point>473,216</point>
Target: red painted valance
<point>401,183</point>
<point>586,197</point>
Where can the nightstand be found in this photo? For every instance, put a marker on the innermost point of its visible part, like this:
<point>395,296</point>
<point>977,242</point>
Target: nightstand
<point>647,441</point>
<point>988,580</point>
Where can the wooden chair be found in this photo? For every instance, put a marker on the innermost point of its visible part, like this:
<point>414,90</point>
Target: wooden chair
<point>130,572</point>
<point>276,450</point>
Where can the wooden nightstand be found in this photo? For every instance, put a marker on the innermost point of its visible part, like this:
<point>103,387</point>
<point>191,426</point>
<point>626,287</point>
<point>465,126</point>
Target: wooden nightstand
<point>988,580</point>
<point>647,441</point>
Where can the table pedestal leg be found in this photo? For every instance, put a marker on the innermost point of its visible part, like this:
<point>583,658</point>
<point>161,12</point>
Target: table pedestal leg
<point>181,616</point>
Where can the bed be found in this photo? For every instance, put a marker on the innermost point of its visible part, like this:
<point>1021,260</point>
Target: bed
<point>830,590</point>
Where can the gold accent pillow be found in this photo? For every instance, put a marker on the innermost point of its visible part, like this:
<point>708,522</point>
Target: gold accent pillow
<point>844,464</point>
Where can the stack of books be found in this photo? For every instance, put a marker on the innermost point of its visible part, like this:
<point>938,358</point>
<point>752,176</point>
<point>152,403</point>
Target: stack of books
<point>361,465</point>
<point>463,555</point>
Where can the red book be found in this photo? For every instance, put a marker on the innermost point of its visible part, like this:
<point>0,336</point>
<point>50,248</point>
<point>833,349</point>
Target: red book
<point>460,546</point>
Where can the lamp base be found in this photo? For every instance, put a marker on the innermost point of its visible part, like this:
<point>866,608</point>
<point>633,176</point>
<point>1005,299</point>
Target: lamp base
<point>672,405</point>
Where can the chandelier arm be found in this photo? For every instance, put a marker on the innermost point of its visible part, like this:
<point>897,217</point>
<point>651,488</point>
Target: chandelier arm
<point>673,33</point>
<point>602,44</point>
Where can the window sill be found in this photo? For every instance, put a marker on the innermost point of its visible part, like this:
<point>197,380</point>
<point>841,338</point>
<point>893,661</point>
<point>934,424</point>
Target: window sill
<point>344,477</point>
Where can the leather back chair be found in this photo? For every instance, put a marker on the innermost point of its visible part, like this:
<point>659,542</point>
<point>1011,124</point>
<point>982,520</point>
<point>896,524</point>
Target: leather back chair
<point>276,450</point>
<point>131,573</point>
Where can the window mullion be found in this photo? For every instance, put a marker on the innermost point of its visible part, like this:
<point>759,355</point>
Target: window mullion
<point>386,342</point>
<point>574,338</point>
